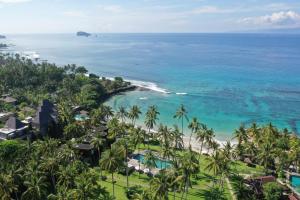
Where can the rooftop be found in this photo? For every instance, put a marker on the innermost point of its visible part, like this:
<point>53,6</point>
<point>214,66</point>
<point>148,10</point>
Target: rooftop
<point>8,99</point>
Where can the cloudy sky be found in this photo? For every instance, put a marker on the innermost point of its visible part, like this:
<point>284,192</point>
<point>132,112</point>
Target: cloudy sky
<point>60,16</point>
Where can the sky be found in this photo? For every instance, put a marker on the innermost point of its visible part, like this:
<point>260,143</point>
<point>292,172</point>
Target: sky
<point>136,16</point>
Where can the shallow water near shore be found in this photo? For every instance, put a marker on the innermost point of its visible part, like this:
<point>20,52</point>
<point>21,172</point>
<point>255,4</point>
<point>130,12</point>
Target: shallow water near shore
<point>223,79</point>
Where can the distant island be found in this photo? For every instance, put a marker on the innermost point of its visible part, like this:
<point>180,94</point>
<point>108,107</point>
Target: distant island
<point>3,45</point>
<point>82,33</point>
<point>2,37</point>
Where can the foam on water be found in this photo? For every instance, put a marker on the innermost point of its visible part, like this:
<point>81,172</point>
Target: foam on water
<point>181,93</point>
<point>149,85</point>
<point>146,85</point>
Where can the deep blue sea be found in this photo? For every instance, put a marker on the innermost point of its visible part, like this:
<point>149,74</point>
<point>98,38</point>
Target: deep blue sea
<point>223,79</point>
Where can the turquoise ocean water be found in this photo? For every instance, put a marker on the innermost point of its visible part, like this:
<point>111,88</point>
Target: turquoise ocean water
<point>223,79</point>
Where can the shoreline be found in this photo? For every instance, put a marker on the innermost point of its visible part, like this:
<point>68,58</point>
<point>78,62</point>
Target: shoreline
<point>194,142</point>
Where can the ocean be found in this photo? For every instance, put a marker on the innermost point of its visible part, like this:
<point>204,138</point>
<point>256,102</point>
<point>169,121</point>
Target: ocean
<point>222,79</point>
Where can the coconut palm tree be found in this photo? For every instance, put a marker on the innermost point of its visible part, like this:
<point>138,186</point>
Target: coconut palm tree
<point>228,148</point>
<point>189,165</point>
<point>65,113</point>
<point>134,114</point>
<point>50,166</point>
<point>202,135</point>
<point>175,179</point>
<point>209,139</point>
<point>181,114</point>
<point>111,161</point>
<point>254,132</point>
<point>122,113</point>
<point>163,134</point>
<point>241,135</point>
<point>136,137</point>
<point>214,145</point>
<point>106,111</point>
<point>66,176</point>
<point>114,128</point>
<point>166,152</point>
<point>98,142</point>
<point>151,118</point>
<point>177,138</point>
<point>215,163</point>
<point>159,186</point>
<point>194,125</point>
<point>150,160</point>
<point>266,155</point>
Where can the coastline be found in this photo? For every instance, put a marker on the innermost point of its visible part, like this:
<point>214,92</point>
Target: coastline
<point>194,142</point>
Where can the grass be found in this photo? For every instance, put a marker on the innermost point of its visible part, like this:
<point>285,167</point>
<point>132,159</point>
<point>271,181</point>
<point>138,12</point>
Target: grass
<point>201,182</point>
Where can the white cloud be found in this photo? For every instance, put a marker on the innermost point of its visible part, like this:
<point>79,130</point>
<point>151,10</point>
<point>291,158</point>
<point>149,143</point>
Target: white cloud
<point>13,1</point>
<point>283,18</point>
<point>74,13</point>
<point>209,10</point>
<point>111,8</point>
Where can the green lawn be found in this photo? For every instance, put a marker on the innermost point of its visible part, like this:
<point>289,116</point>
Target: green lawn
<point>201,182</point>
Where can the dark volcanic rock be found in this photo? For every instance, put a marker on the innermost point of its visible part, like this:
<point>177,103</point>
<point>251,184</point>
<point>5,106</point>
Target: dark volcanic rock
<point>81,33</point>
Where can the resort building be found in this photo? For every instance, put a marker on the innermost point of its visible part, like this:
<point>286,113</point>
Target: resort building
<point>46,118</point>
<point>13,128</point>
<point>8,99</point>
<point>5,116</point>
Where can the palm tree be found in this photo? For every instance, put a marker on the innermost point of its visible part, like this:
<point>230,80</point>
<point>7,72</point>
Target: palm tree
<point>204,135</point>
<point>254,132</point>
<point>181,113</point>
<point>159,186</point>
<point>87,187</point>
<point>151,118</point>
<point>134,114</point>
<point>241,134</point>
<point>150,160</point>
<point>174,179</point>
<point>66,176</point>
<point>214,145</point>
<point>163,134</point>
<point>177,138</point>
<point>266,156</point>
<point>111,161</point>
<point>136,139</point>
<point>228,148</point>
<point>50,165</point>
<point>194,126</point>
<point>73,130</point>
<point>209,138</point>
<point>188,165</point>
<point>98,142</point>
<point>106,111</point>
<point>122,113</point>
<point>166,152</point>
<point>114,129</point>
<point>65,113</point>
<point>215,163</point>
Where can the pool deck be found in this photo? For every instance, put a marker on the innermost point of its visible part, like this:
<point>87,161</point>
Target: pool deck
<point>288,182</point>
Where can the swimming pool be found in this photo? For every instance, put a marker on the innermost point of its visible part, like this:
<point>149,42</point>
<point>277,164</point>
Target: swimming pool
<point>81,117</point>
<point>160,164</point>
<point>295,182</point>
